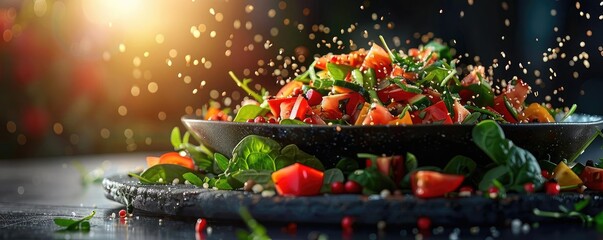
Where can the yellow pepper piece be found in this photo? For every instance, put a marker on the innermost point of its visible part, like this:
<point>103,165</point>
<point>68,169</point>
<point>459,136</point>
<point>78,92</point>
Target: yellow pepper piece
<point>406,120</point>
<point>536,112</point>
<point>565,176</point>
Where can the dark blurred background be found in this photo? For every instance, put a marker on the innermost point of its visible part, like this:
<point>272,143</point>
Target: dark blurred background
<point>106,76</point>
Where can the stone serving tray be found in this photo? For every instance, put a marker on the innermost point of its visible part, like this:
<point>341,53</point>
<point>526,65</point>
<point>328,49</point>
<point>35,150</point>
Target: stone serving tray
<point>192,201</point>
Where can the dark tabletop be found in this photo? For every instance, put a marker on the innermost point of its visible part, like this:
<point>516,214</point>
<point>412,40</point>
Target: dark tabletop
<point>33,192</point>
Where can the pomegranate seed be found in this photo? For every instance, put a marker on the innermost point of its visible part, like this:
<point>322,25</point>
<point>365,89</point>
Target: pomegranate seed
<point>465,191</point>
<point>424,223</point>
<point>529,187</point>
<point>337,188</point>
<point>352,187</point>
<point>347,223</point>
<point>250,120</point>
<point>201,224</point>
<point>309,120</point>
<point>552,188</point>
<point>259,119</point>
<point>122,213</point>
<point>545,174</point>
<point>272,120</point>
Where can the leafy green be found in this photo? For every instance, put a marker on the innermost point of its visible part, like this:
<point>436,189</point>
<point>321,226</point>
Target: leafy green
<point>481,91</point>
<point>287,121</point>
<point>460,165</point>
<point>569,113</point>
<point>220,163</point>
<point>338,72</point>
<point>200,154</point>
<point>249,112</point>
<point>258,232</point>
<point>587,220</point>
<point>162,174</point>
<point>330,176</point>
<point>261,177</point>
<point>347,165</point>
<point>372,181</point>
<point>442,51</point>
<point>491,175</point>
<point>473,118</point>
<point>192,178</point>
<point>255,152</point>
<point>521,166</point>
<point>411,162</point>
<point>292,153</point>
<point>82,224</point>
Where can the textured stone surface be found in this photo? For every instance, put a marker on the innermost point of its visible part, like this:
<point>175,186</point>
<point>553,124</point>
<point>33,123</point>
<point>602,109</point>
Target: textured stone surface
<point>187,200</point>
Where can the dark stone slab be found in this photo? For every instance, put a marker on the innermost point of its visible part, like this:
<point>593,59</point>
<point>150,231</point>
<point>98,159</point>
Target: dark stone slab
<point>187,200</point>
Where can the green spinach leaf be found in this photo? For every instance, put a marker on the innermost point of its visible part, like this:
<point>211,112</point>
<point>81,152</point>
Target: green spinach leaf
<point>295,154</point>
<point>261,177</point>
<point>338,72</point>
<point>249,112</point>
<point>254,152</point>
<point>347,165</point>
<point>74,225</point>
<point>193,179</point>
<point>220,163</point>
<point>460,165</point>
<point>162,174</point>
<point>371,180</point>
<point>330,176</point>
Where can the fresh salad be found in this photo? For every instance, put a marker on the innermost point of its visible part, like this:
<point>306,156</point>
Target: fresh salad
<point>384,87</point>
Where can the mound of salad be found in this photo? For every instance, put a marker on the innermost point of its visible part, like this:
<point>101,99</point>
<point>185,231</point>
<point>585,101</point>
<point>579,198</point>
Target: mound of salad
<point>385,87</point>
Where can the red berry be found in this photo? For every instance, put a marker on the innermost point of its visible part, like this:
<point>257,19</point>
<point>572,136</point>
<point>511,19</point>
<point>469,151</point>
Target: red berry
<point>250,120</point>
<point>552,188</point>
<point>337,188</point>
<point>467,189</point>
<point>352,187</point>
<point>545,174</point>
<point>424,223</point>
<point>492,192</point>
<point>291,228</point>
<point>122,213</point>
<point>201,224</point>
<point>529,187</point>
<point>347,223</point>
<point>272,120</point>
<point>309,120</point>
<point>259,119</point>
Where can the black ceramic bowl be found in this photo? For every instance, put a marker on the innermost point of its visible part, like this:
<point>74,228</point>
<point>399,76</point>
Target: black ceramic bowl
<point>432,144</point>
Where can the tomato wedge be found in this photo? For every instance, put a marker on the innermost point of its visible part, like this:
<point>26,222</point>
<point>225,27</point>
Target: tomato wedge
<point>517,94</point>
<point>437,113</point>
<point>394,93</point>
<point>344,103</point>
<point>289,108</point>
<point>592,178</point>
<point>429,184</point>
<point>378,115</point>
<point>378,59</point>
<point>298,180</point>
<point>460,112</point>
<point>353,59</point>
<point>288,89</point>
<point>171,158</point>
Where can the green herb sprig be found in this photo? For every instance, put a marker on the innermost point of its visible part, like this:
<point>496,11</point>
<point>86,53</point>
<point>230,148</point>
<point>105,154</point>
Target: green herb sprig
<point>82,224</point>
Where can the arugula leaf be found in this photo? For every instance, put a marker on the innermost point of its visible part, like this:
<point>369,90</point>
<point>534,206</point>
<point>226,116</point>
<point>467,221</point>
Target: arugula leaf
<point>249,112</point>
<point>164,172</point>
<point>338,72</point>
<point>192,178</point>
<point>74,225</point>
<point>460,165</point>
<point>330,176</point>
<point>347,165</point>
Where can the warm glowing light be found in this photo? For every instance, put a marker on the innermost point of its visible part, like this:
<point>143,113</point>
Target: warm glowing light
<point>110,11</point>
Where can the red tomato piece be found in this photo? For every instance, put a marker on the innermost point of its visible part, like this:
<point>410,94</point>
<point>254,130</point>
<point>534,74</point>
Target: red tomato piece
<point>314,97</point>
<point>394,93</point>
<point>378,59</point>
<point>288,89</point>
<point>298,180</point>
<point>332,103</point>
<point>460,112</point>
<point>501,108</point>
<point>392,166</point>
<point>592,178</point>
<point>428,184</point>
<point>518,93</point>
<point>437,113</point>
<point>289,108</point>
<point>171,158</point>
<point>353,59</point>
<point>378,115</point>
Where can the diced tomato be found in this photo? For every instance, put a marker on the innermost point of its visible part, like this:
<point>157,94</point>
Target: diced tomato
<point>517,94</point>
<point>592,178</point>
<point>215,114</point>
<point>460,112</point>
<point>288,89</point>
<point>171,158</point>
<point>378,59</point>
<point>284,107</point>
<point>437,113</point>
<point>298,180</point>
<point>353,59</point>
<point>536,112</point>
<point>350,101</point>
<point>429,184</point>
<point>314,97</point>
<point>394,93</point>
<point>473,78</point>
<point>392,166</point>
<point>378,115</point>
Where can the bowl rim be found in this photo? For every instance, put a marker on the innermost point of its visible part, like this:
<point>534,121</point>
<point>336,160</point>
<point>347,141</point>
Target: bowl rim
<point>197,119</point>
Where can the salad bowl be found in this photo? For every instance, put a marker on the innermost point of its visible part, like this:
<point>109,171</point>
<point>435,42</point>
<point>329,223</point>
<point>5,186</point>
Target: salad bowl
<point>432,144</point>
